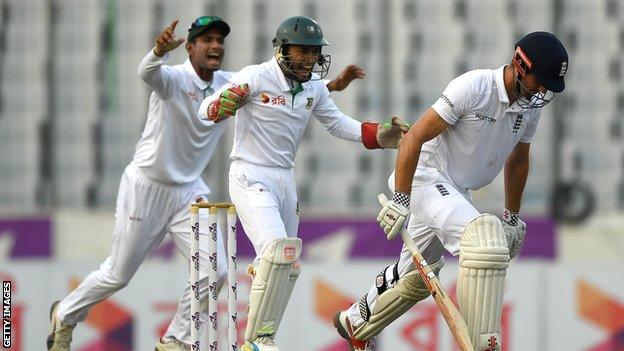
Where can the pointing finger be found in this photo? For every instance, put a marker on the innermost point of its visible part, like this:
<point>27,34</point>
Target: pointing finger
<point>174,24</point>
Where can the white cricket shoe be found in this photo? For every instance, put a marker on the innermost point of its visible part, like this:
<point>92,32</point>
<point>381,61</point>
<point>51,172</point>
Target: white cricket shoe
<point>262,343</point>
<point>60,335</point>
<point>171,345</point>
<point>343,326</point>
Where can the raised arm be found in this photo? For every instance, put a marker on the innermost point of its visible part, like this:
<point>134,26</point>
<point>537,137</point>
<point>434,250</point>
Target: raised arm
<point>151,70</point>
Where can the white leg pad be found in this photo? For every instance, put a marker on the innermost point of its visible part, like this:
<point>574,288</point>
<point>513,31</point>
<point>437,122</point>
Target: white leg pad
<point>393,302</point>
<point>295,270</point>
<point>483,262</point>
<point>272,278</point>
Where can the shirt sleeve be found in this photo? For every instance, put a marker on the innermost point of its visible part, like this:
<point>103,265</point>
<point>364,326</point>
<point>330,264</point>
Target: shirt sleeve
<point>456,100</point>
<point>529,132</point>
<point>244,76</point>
<point>337,123</point>
<point>158,77</point>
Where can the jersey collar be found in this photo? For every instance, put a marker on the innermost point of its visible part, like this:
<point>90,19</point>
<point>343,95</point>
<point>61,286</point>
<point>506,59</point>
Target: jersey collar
<point>201,84</point>
<point>499,75</point>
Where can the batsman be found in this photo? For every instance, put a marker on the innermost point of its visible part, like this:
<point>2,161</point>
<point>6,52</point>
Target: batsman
<point>484,121</point>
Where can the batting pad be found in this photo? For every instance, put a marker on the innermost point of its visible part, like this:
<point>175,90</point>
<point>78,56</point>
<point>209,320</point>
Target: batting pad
<point>483,262</point>
<point>271,287</point>
<point>394,302</point>
<point>295,270</point>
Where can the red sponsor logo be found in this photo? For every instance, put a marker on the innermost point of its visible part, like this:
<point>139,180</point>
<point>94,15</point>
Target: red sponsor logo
<point>265,98</point>
<point>289,253</point>
<point>276,100</point>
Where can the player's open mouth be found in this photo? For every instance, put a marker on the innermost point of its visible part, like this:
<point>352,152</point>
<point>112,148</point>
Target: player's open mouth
<point>213,58</point>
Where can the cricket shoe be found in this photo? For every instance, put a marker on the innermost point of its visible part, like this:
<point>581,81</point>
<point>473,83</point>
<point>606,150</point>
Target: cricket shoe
<point>262,343</point>
<point>172,345</point>
<point>343,326</point>
<point>60,335</point>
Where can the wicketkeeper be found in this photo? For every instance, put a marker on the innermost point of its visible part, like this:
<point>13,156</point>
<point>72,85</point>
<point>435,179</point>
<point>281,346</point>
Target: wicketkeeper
<point>273,103</point>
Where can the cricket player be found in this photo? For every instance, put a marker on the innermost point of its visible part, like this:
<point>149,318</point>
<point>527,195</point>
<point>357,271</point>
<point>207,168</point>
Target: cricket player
<point>483,121</point>
<point>163,179</point>
<point>273,103</point>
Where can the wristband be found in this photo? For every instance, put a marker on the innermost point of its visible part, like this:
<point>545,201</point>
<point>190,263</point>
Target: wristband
<point>401,198</point>
<point>510,217</point>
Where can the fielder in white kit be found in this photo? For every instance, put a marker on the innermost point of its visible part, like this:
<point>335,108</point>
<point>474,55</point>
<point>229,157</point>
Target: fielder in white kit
<point>484,121</point>
<point>163,179</point>
<point>273,103</point>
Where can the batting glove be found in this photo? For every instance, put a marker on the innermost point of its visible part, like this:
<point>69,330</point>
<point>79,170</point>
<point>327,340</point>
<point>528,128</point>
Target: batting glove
<point>228,102</point>
<point>515,231</point>
<point>393,216</point>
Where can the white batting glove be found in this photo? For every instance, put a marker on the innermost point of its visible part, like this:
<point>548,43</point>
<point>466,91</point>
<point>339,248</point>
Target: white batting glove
<point>393,215</point>
<point>515,231</point>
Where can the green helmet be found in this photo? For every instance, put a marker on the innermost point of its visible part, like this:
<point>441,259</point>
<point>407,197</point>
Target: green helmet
<point>300,30</point>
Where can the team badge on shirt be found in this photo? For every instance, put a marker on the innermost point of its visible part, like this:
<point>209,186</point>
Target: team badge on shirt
<point>194,96</point>
<point>309,104</point>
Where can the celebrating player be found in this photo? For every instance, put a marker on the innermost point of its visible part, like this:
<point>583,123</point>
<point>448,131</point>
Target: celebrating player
<point>484,120</point>
<point>163,179</point>
<point>273,102</point>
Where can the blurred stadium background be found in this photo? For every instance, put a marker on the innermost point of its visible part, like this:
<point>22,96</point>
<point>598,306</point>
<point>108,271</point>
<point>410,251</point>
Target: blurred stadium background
<point>72,109</point>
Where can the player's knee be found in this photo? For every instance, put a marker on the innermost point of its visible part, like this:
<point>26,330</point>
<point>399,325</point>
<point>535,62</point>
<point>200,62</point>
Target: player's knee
<point>483,244</point>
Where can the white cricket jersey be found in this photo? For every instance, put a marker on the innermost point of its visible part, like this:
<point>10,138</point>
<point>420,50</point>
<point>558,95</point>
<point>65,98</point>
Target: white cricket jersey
<point>272,119</point>
<point>176,144</point>
<point>484,129</point>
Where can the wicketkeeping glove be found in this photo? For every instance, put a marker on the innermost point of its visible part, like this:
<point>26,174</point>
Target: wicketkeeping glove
<point>393,215</point>
<point>515,231</point>
<point>384,135</point>
<point>227,103</point>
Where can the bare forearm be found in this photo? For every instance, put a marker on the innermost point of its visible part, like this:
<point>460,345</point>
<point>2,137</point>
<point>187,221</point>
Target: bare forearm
<point>406,162</point>
<point>426,128</point>
<point>516,173</point>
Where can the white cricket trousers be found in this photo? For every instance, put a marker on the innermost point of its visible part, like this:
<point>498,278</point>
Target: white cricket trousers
<point>439,215</point>
<point>266,202</point>
<point>145,212</point>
